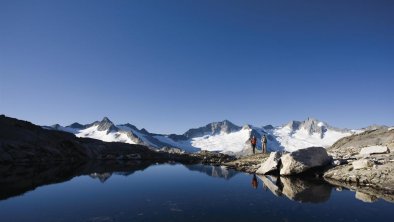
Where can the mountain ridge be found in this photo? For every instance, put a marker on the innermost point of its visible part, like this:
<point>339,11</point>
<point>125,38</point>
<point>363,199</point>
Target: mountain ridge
<point>223,136</point>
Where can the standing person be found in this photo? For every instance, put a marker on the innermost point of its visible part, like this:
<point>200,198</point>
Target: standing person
<point>253,141</point>
<point>264,144</point>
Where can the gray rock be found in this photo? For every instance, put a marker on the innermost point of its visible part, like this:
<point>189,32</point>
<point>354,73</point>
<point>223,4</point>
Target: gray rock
<point>361,164</point>
<point>304,159</point>
<point>374,150</point>
<point>271,164</point>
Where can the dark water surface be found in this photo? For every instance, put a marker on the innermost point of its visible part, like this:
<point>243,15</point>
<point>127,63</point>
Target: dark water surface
<point>173,192</point>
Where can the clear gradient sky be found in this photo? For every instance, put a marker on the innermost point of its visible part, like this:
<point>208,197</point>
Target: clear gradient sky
<point>172,65</point>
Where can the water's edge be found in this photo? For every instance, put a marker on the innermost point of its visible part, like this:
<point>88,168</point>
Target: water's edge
<point>17,179</point>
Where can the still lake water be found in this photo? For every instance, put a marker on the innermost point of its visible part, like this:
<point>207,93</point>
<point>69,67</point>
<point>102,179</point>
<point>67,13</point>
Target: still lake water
<point>175,192</point>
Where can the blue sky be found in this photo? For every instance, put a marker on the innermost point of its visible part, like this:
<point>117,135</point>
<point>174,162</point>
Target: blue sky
<point>171,65</point>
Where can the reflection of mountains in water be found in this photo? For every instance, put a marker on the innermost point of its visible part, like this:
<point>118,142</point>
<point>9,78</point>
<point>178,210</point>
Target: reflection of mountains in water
<point>297,189</point>
<point>106,175</point>
<point>101,176</point>
<point>213,171</point>
<point>18,179</point>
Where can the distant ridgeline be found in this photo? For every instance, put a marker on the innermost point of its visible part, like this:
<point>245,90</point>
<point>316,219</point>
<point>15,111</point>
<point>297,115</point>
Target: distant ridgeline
<point>223,136</point>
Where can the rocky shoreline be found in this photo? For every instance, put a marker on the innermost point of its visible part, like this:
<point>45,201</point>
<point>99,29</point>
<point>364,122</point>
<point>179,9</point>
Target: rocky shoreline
<point>362,162</point>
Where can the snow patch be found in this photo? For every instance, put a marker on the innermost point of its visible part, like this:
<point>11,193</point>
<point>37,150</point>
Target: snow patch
<point>233,142</point>
<point>94,133</point>
<point>185,144</point>
<point>294,140</point>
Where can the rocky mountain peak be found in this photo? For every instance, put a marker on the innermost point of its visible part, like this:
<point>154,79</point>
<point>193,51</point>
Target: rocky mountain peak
<point>224,126</point>
<point>311,125</point>
<point>214,128</point>
<point>106,119</point>
<point>106,125</point>
<point>76,126</point>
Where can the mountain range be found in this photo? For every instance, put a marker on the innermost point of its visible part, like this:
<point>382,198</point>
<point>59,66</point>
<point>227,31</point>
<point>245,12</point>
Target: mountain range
<point>223,136</point>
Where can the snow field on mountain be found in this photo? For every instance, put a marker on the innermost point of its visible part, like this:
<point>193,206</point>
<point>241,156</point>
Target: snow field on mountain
<point>294,140</point>
<point>233,142</point>
<point>184,144</point>
<point>94,133</point>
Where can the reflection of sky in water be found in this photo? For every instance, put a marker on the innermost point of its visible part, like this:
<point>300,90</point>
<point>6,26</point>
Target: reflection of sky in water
<point>174,193</point>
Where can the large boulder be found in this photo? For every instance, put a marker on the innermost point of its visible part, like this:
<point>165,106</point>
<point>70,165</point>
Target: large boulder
<point>271,164</point>
<point>304,159</point>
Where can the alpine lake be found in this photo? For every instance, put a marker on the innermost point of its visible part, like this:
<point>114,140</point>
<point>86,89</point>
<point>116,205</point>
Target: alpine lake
<point>97,192</point>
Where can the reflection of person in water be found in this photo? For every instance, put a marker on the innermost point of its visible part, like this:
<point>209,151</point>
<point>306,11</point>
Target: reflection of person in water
<point>255,184</point>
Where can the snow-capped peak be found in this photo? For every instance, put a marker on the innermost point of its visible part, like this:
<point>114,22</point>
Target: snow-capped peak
<point>214,128</point>
<point>310,132</point>
<point>106,125</point>
<point>310,125</point>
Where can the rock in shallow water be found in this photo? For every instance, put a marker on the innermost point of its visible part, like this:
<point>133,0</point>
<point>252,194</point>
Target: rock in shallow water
<point>304,159</point>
